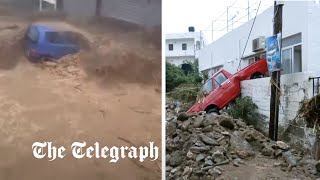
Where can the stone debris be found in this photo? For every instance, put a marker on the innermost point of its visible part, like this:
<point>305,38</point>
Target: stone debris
<point>198,145</point>
<point>66,67</point>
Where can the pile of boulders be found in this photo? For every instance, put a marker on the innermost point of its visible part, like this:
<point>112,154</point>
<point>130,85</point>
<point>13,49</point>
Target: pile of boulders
<point>198,144</point>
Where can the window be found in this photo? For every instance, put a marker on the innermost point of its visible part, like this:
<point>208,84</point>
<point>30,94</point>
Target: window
<point>33,34</point>
<point>251,60</point>
<point>207,87</point>
<point>170,47</point>
<point>198,45</point>
<point>220,78</point>
<point>60,37</point>
<point>184,46</point>
<point>297,61</point>
<point>292,59</point>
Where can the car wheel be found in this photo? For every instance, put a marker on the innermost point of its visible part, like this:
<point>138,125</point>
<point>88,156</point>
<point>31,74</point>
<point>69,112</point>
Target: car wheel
<point>213,111</point>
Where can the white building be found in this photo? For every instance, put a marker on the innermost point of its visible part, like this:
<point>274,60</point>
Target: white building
<point>183,47</point>
<point>301,40</point>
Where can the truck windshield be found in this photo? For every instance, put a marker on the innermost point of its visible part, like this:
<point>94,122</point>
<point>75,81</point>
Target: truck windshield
<point>220,78</point>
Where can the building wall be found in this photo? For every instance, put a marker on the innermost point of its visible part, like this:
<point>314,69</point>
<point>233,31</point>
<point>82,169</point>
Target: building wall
<point>228,49</point>
<point>294,89</point>
<point>313,39</point>
<point>142,12</point>
<point>79,7</point>
<point>146,12</point>
<point>177,47</point>
<point>23,5</point>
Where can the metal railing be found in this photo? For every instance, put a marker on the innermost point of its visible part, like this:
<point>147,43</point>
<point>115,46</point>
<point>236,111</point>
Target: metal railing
<point>315,85</point>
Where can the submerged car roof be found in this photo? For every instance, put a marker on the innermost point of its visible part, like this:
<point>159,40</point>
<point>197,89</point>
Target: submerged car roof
<point>44,28</point>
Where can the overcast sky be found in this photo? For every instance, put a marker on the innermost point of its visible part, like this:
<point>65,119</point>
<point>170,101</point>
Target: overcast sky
<point>178,15</point>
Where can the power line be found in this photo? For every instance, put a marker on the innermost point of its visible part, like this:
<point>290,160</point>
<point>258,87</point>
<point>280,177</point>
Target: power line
<point>220,16</point>
<point>254,20</point>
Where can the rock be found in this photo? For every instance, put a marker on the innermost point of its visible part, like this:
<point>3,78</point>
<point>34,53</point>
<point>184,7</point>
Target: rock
<point>190,155</point>
<point>176,158</point>
<point>218,156</point>
<point>200,157</point>
<point>185,125</point>
<point>225,133</point>
<point>237,162</point>
<point>289,158</point>
<point>240,123</point>
<point>278,153</point>
<point>187,171</point>
<point>317,165</point>
<point>198,121</point>
<point>239,143</point>
<point>210,119</point>
<point>169,168</point>
<point>208,140</point>
<point>208,162</point>
<point>215,172</point>
<point>171,128</point>
<point>183,116</point>
<point>267,151</point>
<point>276,164</point>
<point>174,170</point>
<point>207,129</point>
<point>199,144</point>
<point>282,145</point>
<point>168,157</point>
<point>206,168</point>
<point>196,149</point>
<point>227,123</point>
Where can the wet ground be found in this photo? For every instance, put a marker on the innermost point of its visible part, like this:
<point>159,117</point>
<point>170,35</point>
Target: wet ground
<point>110,94</point>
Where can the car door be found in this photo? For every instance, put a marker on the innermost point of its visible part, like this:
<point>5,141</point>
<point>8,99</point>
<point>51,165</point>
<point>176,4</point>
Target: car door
<point>229,89</point>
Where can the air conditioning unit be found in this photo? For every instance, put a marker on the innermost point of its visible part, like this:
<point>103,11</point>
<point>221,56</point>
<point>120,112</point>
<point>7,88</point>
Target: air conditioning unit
<point>259,44</point>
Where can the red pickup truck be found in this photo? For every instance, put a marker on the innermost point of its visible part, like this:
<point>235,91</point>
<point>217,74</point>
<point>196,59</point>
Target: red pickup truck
<point>223,88</point>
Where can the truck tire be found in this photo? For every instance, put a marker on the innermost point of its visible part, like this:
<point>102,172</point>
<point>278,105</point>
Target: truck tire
<point>213,111</point>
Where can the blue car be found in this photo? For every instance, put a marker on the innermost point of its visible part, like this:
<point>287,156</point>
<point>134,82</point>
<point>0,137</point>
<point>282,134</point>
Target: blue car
<point>44,42</point>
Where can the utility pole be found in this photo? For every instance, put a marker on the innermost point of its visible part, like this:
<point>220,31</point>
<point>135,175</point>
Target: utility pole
<point>275,78</point>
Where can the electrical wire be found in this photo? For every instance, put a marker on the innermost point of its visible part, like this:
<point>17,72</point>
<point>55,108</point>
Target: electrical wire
<point>220,15</point>
<point>254,20</point>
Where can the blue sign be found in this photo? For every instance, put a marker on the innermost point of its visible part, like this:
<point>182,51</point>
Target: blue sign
<point>273,53</point>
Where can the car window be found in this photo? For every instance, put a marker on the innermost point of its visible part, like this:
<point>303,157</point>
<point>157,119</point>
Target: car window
<point>220,78</point>
<point>60,37</point>
<point>33,34</point>
<point>207,87</point>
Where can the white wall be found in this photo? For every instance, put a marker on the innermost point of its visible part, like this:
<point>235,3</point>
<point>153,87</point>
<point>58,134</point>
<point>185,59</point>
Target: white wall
<point>313,49</point>
<point>177,47</point>
<point>294,87</point>
<point>230,46</point>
